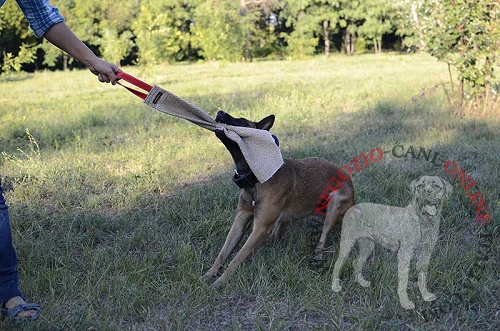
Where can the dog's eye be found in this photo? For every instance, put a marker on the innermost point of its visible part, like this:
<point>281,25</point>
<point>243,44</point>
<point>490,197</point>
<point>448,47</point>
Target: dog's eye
<point>241,122</point>
<point>436,187</point>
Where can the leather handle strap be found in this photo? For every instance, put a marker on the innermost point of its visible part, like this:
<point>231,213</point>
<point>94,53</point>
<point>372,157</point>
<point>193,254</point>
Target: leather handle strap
<point>136,82</point>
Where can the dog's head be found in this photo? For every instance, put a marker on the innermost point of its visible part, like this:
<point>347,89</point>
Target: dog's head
<point>233,148</point>
<point>264,124</point>
<point>429,193</point>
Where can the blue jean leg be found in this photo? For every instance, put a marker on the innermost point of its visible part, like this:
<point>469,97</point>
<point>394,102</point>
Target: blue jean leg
<point>9,284</point>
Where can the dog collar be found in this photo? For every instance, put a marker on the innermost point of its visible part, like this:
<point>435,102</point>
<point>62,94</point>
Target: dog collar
<point>248,179</point>
<point>245,180</point>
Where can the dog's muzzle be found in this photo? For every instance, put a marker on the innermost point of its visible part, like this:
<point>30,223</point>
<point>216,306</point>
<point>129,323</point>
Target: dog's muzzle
<point>429,203</point>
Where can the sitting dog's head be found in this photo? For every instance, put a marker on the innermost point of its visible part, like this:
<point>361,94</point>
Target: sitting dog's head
<point>429,193</point>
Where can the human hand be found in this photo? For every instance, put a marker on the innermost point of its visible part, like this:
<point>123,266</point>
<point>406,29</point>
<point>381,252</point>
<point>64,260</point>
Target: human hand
<point>105,71</point>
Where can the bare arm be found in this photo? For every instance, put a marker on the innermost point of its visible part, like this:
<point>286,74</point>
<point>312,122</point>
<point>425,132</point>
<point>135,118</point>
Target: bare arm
<point>62,37</point>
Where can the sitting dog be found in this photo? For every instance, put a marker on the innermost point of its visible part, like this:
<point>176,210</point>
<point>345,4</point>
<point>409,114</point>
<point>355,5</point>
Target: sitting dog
<point>408,230</point>
<point>291,193</point>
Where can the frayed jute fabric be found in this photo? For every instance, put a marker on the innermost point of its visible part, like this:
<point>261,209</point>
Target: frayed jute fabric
<point>258,146</point>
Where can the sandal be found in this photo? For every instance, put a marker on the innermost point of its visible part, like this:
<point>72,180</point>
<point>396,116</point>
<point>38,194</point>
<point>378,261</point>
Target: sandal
<point>12,313</point>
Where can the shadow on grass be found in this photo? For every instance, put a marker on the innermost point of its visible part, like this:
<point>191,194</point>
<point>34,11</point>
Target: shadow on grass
<point>14,77</point>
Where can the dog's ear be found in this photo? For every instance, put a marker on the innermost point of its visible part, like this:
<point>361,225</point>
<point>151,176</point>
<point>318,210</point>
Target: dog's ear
<point>448,188</point>
<point>266,123</point>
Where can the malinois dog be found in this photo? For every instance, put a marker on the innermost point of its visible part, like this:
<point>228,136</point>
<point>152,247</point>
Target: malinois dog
<point>292,193</point>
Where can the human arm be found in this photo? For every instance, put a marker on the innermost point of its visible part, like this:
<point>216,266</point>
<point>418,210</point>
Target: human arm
<point>45,21</point>
<point>62,37</point>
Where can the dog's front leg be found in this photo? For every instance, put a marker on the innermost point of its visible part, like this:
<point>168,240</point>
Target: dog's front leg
<point>422,269</point>
<point>262,226</point>
<point>422,286</point>
<point>243,217</point>
<point>405,255</point>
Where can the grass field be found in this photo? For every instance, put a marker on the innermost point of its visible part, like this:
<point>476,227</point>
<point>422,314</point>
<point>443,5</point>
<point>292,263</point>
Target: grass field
<point>117,210</point>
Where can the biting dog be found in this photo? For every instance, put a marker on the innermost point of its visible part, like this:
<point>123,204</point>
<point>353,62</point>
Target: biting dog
<point>406,230</point>
<point>291,193</point>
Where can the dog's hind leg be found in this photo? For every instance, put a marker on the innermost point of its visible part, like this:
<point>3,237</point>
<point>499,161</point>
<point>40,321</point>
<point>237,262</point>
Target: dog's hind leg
<point>279,228</point>
<point>340,202</point>
<point>366,247</point>
<point>241,221</point>
<point>346,244</point>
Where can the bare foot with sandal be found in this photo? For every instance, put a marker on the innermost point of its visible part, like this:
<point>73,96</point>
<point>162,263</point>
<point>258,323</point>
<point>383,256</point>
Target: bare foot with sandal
<point>17,309</point>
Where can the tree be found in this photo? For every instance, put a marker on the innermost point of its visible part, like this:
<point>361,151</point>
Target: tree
<point>258,27</point>
<point>351,17</point>
<point>103,25</point>
<point>218,30</point>
<point>18,44</point>
<point>466,35</point>
<point>114,47</point>
<point>163,30</point>
<point>310,19</point>
<point>378,16</point>
<point>327,13</point>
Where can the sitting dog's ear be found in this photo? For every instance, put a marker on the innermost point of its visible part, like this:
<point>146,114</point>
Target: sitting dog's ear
<point>266,123</point>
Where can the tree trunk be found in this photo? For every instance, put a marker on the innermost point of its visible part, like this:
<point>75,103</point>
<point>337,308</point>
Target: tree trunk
<point>348,42</point>
<point>460,96</point>
<point>327,38</point>
<point>353,41</point>
<point>377,42</point>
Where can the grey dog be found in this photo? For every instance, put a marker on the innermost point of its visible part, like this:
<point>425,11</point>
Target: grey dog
<point>406,230</point>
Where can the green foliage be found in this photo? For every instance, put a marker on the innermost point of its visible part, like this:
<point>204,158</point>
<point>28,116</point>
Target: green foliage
<point>306,18</point>
<point>377,21</point>
<point>465,35</point>
<point>151,32</point>
<point>17,42</point>
<point>162,30</point>
<point>11,18</point>
<point>26,55</point>
<point>51,54</point>
<point>259,22</point>
<point>218,30</point>
<point>114,47</point>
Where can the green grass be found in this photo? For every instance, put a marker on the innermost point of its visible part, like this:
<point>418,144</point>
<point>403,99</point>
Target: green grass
<point>117,210</point>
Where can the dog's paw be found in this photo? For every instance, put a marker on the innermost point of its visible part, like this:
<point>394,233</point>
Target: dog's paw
<point>407,304</point>
<point>428,296</point>
<point>207,278</point>
<point>336,287</point>
<point>218,283</point>
<point>363,282</point>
